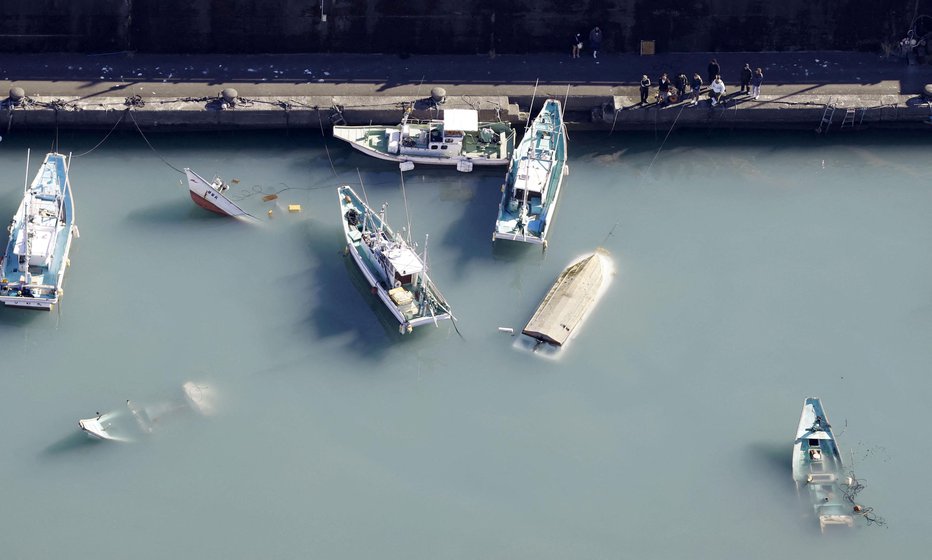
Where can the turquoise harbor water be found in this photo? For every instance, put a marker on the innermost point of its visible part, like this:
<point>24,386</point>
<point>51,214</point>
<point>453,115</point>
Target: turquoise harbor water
<point>752,271</point>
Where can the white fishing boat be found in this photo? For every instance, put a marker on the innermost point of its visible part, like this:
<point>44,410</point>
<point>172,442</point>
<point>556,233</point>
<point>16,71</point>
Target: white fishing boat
<point>457,139</point>
<point>397,274</point>
<point>126,424</point>
<point>818,467</point>
<point>210,196</point>
<point>534,178</point>
<point>33,267</point>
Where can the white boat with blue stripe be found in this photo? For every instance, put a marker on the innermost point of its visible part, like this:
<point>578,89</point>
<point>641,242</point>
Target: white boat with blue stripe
<point>534,178</point>
<point>33,266</point>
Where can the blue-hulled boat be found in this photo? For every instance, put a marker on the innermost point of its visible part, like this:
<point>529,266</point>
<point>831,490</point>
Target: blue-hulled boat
<point>535,175</point>
<point>818,468</point>
<point>33,266</point>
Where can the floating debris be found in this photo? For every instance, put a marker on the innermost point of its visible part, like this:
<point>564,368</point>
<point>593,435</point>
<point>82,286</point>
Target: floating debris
<point>294,208</point>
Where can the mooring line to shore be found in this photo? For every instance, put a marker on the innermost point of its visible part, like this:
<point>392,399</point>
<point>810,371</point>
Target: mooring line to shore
<point>165,161</point>
<point>324,136</point>
<point>115,125</point>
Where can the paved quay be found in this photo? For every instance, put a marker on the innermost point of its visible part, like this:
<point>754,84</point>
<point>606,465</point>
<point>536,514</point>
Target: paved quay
<point>304,90</point>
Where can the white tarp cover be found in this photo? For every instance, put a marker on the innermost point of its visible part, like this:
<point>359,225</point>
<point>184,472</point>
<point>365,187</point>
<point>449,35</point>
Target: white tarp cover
<point>403,260</point>
<point>460,119</point>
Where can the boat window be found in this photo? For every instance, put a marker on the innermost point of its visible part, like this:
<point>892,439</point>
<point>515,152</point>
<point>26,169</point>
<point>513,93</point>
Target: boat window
<point>406,279</point>
<point>813,443</point>
<point>433,146</point>
<point>444,147</point>
<point>519,194</point>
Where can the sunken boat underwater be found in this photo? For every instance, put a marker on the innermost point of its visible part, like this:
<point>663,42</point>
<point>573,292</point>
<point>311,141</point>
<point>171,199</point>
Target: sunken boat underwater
<point>570,299</point>
<point>33,266</point>
<point>397,274</point>
<point>458,139</point>
<point>818,468</point>
<point>534,178</point>
<point>211,196</point>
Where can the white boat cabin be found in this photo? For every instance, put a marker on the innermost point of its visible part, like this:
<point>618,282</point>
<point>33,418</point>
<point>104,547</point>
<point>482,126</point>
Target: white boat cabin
<point>439,138</point>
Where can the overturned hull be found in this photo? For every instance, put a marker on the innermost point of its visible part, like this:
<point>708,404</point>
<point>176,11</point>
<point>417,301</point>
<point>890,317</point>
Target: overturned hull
<point>570,299</point>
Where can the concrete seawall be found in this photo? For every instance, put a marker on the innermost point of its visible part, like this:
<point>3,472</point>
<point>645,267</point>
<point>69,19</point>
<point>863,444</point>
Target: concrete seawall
<point>316,91</point>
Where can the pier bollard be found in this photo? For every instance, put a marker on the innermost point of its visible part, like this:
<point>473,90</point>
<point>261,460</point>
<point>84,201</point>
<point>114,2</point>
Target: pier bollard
<point>228,95</point>
<point>438,95</point>
<point>17,95</point>
<point>927,92</point>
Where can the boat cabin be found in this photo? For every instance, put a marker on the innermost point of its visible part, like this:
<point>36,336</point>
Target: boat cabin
<point>436,139</point>
<point>400,264</point>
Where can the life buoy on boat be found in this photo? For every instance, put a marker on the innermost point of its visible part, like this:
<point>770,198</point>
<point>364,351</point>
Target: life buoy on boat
<point>397,283</point>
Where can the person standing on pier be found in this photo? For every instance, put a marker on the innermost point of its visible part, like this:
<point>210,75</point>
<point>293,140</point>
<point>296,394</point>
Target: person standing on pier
<point>645,88</point>
<point>663,87</point>
<point>696,86</point>
<point>577,45</point>
<point>714,70</point>
<point>756,80</point>
<point>746,76</point>
<point>595,41</point>
<point>681,82</point>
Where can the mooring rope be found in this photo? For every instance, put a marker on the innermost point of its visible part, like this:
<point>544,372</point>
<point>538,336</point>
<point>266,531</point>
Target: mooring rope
<point>116,124</point>
<point>156,152</point>
<point>324,136</point>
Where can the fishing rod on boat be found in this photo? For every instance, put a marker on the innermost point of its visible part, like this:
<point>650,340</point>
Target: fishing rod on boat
<point>563,112</point>
<point>530,109</point>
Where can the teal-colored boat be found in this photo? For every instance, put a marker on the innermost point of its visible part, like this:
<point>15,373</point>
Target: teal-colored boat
<point>535,176</point>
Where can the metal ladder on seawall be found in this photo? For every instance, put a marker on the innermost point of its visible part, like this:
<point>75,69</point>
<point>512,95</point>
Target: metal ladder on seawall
<point>827,115</point>
<point>848,121</point>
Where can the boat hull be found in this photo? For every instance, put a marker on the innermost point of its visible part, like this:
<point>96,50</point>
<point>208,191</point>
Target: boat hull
<point>421,160</point>
<point>546,138</point>
<point>22,289</point>
<point>209,198</point>
<point>406,324</point>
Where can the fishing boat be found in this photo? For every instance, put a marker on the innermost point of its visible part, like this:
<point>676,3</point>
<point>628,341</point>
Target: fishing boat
<point>33,267</point>
<point>396,273</point>
<point>210,196</point>
<point>532,184</point>
<point>458,139</point>
<point>818,467</point>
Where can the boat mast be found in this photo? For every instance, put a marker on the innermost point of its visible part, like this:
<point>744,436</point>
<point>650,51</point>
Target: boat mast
<point>26,218</point>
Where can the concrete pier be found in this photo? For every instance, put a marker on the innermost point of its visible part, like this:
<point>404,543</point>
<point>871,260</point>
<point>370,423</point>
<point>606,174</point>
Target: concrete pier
<point>314,90</point>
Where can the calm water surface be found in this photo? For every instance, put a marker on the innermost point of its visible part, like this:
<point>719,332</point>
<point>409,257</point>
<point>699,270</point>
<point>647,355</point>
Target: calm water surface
<point>752,271</point>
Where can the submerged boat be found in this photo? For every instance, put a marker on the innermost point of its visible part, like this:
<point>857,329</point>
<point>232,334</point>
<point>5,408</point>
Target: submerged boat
<point>126,424</point>
<point>33,268</point>
<point>458,139</point>
<point>532,184</point>
<point>210,196</point>
<point>394,270</point>
<point>570,299</point>
<point>818,467</point>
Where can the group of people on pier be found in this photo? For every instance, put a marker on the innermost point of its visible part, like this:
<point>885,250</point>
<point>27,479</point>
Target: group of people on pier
<point>682,88</point>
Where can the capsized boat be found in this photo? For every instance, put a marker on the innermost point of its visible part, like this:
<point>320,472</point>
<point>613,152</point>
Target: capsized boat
<point>126,424</point>
<point>33,267</point>
<point>818,467</point>
<point>458,139</point>
<point>532,184</point>
<point>211,195</point>
<point>391,266</point>
<point>570,299</point>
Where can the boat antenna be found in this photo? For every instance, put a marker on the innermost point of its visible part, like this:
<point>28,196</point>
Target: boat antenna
<point>530,109</point>
<point>404,196</point>
<point>26,216</point>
